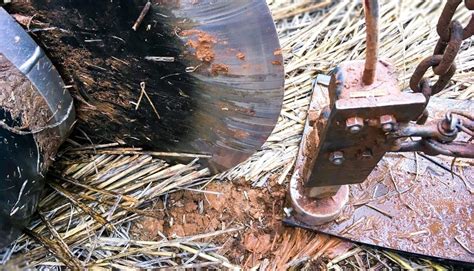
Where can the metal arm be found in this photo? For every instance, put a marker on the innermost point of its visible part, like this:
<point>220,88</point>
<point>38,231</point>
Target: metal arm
<point>372,23</point>
<point>439,137</point>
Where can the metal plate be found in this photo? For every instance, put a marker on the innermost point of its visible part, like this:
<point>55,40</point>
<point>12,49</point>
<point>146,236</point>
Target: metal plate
<point>25,54</point>
<point>21,184</point>
<point>363,150</point>
<point>411,204</point>
<point>26,77</point>
<point>226,111</point>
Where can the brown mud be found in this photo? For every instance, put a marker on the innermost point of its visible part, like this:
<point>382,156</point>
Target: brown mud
<point>202,43</point>
<point>257,212</point>
<point>24,102</point>
<point>240,56</point>
<point>217,69</point>
<point>102,60</point>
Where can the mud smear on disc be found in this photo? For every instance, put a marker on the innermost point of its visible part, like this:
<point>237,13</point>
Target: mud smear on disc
<point>176,83</point>
<point>110,66</point>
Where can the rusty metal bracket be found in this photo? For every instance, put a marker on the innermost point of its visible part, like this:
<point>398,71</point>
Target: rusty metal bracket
<point>407,203</point>
<point>353,138</point>
<point>367,117</point>
<point>349,139</point>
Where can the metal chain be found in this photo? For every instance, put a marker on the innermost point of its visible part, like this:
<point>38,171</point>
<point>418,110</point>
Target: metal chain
<point>446,50</point>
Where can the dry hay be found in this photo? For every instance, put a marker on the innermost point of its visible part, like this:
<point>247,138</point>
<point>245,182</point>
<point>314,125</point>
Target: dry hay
<point>88,213</point>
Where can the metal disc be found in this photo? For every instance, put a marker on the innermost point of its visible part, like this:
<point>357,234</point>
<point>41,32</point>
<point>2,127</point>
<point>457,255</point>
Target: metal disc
<point>32,95</point>
<point>202,77</point>
<point>21,183</point>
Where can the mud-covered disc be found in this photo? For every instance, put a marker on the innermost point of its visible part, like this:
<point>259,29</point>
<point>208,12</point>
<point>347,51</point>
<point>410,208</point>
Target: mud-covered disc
<point>202,77</point>
<point>36,114</point>
<point>21,184</point>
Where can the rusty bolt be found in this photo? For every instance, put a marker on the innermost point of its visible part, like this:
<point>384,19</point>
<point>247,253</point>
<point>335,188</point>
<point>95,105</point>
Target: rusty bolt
<point>312,117</point>
<point>354,125</point>
<point>337,158</point>
<point>388,122</point>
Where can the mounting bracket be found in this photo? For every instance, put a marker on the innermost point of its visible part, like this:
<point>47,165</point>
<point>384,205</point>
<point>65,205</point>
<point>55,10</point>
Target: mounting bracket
<point>394,202</point>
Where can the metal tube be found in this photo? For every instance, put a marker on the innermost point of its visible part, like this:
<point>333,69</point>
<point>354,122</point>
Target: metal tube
<point>425,131</point>
<point>411,146</point>
<point>462,150</point>
<point>372,15</point>
<point>434,148</point>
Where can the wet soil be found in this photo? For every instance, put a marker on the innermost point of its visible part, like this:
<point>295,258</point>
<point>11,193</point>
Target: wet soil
<point>237,204</point>
<point>257,211</point>
<point>202,43</point>
<point>103,61</point>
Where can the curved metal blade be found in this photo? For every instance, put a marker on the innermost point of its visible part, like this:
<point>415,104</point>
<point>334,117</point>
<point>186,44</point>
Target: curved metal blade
<point>200,77</point>
<point>248,99</point>
<point>23,52</point>
<point>27,77</point>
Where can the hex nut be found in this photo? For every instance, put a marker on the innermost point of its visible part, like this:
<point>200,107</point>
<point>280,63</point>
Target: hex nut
<point>337,158</point>
<point>354,125</point>
<point>388,122</point>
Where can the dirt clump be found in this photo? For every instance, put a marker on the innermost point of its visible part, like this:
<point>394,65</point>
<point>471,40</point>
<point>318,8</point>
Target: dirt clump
<point>217,69</point>
<point>257,212</point>
<point>203,44</point>
<point>224,206</point>
<point>276,63</point>
<point>240,56</point>
<point>260,244</point>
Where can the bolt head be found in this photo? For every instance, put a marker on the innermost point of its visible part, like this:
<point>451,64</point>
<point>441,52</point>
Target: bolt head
<point>387,127</point>
<point>337,158</point>
<point>338,162</point>
<point>354,125</point>
<point>388,122</point>
<point>355,129</point>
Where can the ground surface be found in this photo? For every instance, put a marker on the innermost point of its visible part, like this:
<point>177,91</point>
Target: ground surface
<point>258,212</point>
<point>115,209</point>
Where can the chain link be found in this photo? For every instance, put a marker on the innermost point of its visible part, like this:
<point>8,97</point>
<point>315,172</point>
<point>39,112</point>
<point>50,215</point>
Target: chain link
<point>446,49</point>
